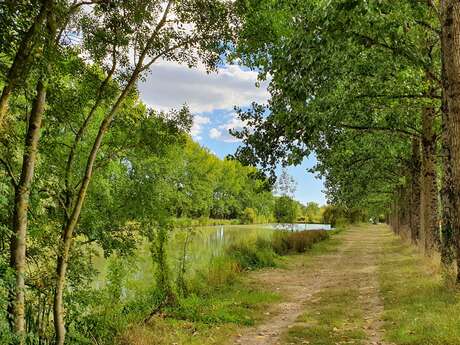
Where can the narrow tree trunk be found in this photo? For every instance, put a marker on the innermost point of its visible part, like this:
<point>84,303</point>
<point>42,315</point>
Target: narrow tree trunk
<point>396,213</point>
<point>69,227</point>
<point>21,207</point>
<point>450,20</point>
<point>415,191</point>
<point>429,199</point>
<point>20,61</point>
<point>80,133</point>
<point>447,193</point>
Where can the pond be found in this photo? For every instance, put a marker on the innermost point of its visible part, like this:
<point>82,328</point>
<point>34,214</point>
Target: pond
<point>300,226</point>
<point>203,244</point>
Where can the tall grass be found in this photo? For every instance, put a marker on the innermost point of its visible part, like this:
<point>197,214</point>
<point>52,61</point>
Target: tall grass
<point>285,242</point>
<point>252,255</point>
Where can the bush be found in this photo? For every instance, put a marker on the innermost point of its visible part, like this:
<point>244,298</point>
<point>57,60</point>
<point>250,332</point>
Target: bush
<point>249,216</point>
<point>284,242</point>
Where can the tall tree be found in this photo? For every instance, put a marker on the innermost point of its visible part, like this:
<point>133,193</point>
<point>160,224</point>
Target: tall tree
<point>449,12</point>
<point>23,186</point>
<point>152,31</point>
<point>368,67</point>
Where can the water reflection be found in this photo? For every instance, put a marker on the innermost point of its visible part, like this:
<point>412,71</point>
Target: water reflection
<point>300,226</point>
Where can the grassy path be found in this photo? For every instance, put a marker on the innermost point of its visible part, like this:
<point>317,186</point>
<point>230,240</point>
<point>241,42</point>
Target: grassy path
<point>332,295</point>
<point>363,286</point>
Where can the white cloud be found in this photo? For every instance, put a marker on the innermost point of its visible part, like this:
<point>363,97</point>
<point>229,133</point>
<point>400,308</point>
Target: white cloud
<point>222,131</point>
<point>170,85</point>
<point>215,133</point>
<point>234,123</point>
<point>198,123</point>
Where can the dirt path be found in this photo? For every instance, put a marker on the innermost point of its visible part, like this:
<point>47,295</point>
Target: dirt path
<point>351,264</point>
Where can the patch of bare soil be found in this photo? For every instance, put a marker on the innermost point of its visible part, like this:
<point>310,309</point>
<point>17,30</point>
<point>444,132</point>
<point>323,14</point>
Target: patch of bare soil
<point>353,265</point>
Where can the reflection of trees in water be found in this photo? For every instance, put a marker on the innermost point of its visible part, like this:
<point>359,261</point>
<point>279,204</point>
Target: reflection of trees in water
<point>216,241</point>
<point>300,226</point>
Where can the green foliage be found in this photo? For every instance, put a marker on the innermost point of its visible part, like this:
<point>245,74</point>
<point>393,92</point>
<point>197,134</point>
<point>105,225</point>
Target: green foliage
<point>349,81</point>
<point>159,235</point>
<point>311,213</point>
<point>249,216</point>
<point>286,210</point>
<point>219,273</point>
<point>334,215</point>
<point>6,282</point>
<point>339,216</point>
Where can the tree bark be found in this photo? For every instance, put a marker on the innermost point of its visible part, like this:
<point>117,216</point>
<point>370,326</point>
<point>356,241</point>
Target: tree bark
<point>21,207</point>
<point>450,24</point>
<point>429,187</point>
<point>20,61</point>
<point>415,191</point>
<point>447,193</point>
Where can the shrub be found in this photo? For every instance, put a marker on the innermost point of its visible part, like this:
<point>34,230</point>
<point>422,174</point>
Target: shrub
<point>249,216</point>
<point>203,221</point>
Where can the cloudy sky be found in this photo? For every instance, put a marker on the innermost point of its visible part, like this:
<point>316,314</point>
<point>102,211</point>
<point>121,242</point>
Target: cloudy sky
<point>211,98</point>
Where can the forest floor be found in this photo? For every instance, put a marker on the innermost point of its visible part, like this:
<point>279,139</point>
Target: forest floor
<point>363,286</point>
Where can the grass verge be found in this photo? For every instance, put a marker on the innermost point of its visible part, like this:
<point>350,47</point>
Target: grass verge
<point>419,308</point>
<point>207,319</point>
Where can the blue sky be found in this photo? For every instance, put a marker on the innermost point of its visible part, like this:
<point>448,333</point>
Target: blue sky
<point>212,97</point>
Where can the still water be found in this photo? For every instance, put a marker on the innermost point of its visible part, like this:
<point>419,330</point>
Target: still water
<point>199,245</point>
<point>300,226</point>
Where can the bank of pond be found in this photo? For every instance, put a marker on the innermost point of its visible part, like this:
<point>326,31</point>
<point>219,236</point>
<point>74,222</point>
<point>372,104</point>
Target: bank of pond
<point>190,250</point>
<point>199,280</point>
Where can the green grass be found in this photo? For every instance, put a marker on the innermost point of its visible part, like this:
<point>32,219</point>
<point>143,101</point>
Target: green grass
<point>239,304</point>
<point>419,308</point>
<point>330,320</point>
<point>219,297</point>
<point>204,319</point>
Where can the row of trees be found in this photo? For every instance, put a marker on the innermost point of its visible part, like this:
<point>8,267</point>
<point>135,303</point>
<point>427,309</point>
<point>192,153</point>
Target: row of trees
<point>372,88</point>
<point>82,158</point>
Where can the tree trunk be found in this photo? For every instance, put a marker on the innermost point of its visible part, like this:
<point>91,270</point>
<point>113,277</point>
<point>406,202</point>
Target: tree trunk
<point>429,187</point>
<point>450,20</point>
<point>415,191</point>
<point>21,207</point>
<point>69,227</point>
<point>447,193</point>
<point>21,60</point>
<point>396,213</point>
